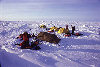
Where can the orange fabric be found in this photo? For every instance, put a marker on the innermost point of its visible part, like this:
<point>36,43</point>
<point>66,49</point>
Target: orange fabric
<point>51,31</point>
<point>25,38</point>
<point>67,35</point>
<point>20,37</point>
<point>77,33</point>
<point>21,44</point>
<point>24,42</point>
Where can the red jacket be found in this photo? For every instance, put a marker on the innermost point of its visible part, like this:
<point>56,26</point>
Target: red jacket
<point>25,37</point>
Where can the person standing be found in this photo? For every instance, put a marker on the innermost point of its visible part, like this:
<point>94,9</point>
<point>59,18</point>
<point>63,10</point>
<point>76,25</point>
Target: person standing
<point>73,29</point>
<point>67,30</point>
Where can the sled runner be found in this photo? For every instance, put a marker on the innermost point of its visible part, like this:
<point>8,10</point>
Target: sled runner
<point>67,35</point>
<point>78,34</point>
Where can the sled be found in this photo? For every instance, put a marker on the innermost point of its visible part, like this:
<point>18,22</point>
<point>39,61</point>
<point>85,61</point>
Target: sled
<point>78,34</point>
<point>67,35</point>
<point>36,48</point>
<point>51,31</point>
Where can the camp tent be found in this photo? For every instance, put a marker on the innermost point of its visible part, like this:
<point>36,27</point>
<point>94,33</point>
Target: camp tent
<point>63,30</point>
<point>42,26</point>
<point>54,28</point>
<point>52,38</point>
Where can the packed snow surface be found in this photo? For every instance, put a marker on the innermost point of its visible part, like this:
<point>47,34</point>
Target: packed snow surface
<point>74,51</point>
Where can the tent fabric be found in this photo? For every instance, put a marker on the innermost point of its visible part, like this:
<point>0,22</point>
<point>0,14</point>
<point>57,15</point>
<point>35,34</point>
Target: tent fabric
<point>42,26</point>
<point>52,38</point>
<point>54,28</point>
<point>63,30</point>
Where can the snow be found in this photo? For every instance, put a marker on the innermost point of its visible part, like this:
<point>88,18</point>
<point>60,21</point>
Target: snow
<point>74,51</point>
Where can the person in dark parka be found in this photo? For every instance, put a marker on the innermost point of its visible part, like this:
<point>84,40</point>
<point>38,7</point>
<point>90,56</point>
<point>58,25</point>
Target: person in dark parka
<point>73,29</point>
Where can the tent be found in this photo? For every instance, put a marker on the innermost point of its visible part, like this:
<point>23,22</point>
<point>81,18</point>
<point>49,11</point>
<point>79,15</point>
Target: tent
<point>52,38</point>
<point>54,28</point>
<point>42,26</point>
<point>63,30</point>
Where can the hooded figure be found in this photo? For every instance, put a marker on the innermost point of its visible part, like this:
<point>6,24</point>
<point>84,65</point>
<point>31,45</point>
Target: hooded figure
<point>25,44</point>
<point>25,37</point>
<point>73,29</point>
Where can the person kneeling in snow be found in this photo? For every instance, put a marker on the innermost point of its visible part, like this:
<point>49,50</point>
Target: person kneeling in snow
<point>67,33</point>
<point>25,37</point>
<point>25,44</point>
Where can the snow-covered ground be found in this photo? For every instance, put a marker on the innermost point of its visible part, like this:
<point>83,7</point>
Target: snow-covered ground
<point>81,51</point>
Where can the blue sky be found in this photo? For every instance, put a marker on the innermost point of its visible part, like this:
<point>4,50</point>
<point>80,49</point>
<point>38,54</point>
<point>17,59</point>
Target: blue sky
<point>88,10</point>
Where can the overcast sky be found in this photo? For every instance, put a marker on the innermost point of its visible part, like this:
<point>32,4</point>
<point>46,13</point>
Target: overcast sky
<point>48,9</point>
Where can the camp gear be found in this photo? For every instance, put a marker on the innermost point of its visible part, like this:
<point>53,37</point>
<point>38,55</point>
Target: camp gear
<point>34,45</point>
<point>54,28</point>
<point>47,28</point>
<point>35,48</point>
<point>24,44</point>
<point>25,37</point>
<point>52,38</point>
<point>63,30</point>
<point>78,34</point>
<point>26,47</point>
<point>42,26</point>
<point>67,35</point>
<point>51,31</point>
